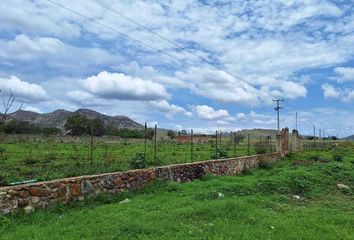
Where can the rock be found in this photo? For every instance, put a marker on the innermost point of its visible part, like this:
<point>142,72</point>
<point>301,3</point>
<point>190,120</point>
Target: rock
<point>23,194</point>
<point>75,189</point>
<point>35,191</point>
<point>62,191</point>
<point>28,209</point>
<point>6,210</point>
<point>86,187</point>
<point>35,199</point>
<point>296,197</point>
<point>23,203</point>
<point>124,201</point>
<point>341,186</point>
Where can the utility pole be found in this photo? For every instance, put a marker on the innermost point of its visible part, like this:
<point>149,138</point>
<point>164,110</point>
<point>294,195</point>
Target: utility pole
<point>277,109</point>
<point>314,132</point>
<point>296,121</point>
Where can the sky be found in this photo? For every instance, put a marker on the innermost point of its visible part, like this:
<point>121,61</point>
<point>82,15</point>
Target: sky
<point>206,65</point>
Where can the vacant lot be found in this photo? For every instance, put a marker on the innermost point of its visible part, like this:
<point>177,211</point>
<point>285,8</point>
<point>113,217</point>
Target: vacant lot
<point>296,199</point>
<point>25,157</point>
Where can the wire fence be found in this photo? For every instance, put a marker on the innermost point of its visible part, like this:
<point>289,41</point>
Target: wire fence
<point>40,157</point>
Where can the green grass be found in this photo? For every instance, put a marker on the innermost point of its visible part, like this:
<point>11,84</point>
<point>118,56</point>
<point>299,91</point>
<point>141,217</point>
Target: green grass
<point>256,205</point>
<point>48,157</point>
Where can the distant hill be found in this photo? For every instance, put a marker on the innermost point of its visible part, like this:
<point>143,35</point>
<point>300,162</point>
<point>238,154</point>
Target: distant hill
<point>258,132</point>
<point>58,118</point>
<point>349,138</point>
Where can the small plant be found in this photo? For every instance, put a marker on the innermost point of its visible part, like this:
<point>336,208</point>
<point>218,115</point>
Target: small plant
<point>138,161</point>
<point>260,148</point>
<point>337,157</point>
<point>220,153</point>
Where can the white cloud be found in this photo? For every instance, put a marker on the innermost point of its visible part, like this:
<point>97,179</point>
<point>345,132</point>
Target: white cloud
<point>23,91</point>
<point>329,91</point>
<point>53,52</point>
<point>345,95</point>
<point>344,74</point>
<point>122,87</point>
<point>169,109</point>
<point>32,109</point>
<point>209,113</point>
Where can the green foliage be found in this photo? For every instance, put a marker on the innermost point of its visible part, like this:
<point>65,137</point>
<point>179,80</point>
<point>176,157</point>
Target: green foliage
<point>337,156</point>
<point>220,153</point>
<point>238,138</point>
<point>79,125</point>
<point>171,134</point>
<point>257,206</point>
<point>138,161</point>
<point>23,127</point>
<point>260,147</point>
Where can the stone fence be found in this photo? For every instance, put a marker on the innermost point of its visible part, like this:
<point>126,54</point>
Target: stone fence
<point>32,196</point>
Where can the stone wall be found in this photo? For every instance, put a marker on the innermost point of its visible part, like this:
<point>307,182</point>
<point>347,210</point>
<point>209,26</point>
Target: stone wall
<point>28,197</point>
<point>283,141</point>
<point>297,141</point>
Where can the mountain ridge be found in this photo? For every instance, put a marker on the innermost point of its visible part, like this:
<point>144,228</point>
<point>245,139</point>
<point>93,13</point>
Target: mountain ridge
<point>58,118</point>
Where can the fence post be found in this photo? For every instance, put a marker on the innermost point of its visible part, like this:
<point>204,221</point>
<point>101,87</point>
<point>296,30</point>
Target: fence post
<point>145,139</point>
<point>155,138</point>
<point>216,144</point>
<point>91,147</point>
<point>234,137</point>
<point>191,145</point>
<point>248,144</point>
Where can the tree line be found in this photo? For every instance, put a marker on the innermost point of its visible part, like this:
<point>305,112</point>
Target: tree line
<point>76,125</point>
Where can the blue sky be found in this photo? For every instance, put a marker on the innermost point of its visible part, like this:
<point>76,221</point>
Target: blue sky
<point>298,50</point>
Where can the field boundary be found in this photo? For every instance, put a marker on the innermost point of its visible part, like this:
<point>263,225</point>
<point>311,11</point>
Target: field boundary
<point>32,196</point>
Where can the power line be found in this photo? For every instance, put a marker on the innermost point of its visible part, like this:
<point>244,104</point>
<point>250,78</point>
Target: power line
<point>113,29</point>
<point>109,8</point>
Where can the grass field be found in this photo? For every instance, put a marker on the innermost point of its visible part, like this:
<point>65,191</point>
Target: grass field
<point>256,205</point>
<point>49,157</point>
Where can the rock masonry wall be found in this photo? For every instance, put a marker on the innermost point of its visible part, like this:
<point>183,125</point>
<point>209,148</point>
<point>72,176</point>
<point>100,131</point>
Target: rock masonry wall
<point>32,196</point>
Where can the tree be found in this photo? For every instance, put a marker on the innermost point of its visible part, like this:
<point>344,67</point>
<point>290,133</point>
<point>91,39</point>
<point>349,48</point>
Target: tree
<point>171,134</point>
<point>7,104</point>
<point>238,138</point>
<point>77,125</point>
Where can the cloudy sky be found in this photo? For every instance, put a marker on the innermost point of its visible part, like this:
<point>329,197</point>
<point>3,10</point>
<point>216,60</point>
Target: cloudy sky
<point>128,60</point>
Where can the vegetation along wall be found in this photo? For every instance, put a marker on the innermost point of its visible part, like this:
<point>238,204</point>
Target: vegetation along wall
<point>32,196</point>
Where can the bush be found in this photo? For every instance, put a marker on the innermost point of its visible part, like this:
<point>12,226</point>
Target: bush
<point>220,153</point>
<point>260,148</point>
<point>138,161</point>
<point>337,157</point>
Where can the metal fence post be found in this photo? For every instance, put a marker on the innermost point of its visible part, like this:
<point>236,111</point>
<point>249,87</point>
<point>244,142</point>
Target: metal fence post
<point>216,144</point>
<point>248,144</point>
<point>234,138</point>
<point>145,140</point>
<point>191,145</point>
<point>91,148</point>
<point>155,138</point>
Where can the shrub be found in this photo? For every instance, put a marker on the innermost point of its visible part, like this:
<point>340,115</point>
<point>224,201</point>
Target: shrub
<point>138,161</point>
<point>265,164</point>
<point>260,148</point>
<point>220,153</point>
<point>337,157</point>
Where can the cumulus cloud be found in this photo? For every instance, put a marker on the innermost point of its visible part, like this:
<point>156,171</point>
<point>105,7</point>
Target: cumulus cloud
<point>168,108</point>
<point>209,113</point>
<point>344,74</point>
<point>23,91</point>
<point>346,95</point>
<point>329,91</point>
<point>122,87</point>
